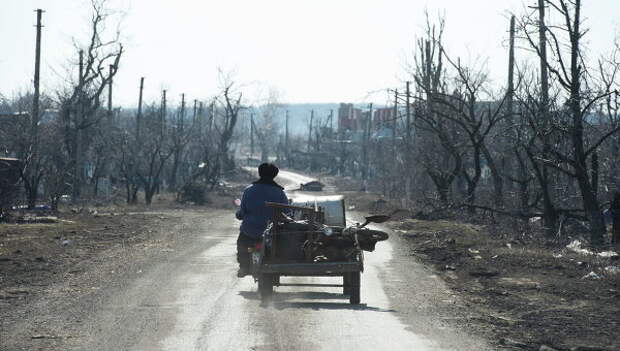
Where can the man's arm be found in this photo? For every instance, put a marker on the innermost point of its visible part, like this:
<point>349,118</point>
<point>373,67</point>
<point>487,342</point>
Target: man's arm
<point>284,200</point>
<point>242,208</point>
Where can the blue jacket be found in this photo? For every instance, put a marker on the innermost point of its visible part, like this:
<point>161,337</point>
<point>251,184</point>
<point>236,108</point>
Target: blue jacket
<point>253,212</point>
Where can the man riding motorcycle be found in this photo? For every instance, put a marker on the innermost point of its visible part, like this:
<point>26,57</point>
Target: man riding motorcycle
<point>254,214</point>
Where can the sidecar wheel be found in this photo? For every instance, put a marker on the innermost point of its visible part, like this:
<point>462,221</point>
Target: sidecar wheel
<point>354,297</point>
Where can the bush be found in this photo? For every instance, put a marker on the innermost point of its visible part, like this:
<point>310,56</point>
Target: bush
<point>195,193</point>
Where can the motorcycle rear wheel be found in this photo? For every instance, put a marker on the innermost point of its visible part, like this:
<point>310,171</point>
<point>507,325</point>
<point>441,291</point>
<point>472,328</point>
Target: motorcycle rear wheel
<point>265,286</point>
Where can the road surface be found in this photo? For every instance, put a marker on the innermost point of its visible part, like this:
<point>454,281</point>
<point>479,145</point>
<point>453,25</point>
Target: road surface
<point>193,300</point>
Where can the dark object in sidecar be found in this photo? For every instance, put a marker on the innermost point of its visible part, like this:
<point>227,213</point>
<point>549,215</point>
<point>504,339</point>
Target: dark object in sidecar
<point>368,238</point>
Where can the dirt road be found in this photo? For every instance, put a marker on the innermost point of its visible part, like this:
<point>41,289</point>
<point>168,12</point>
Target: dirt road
<point>188,298</point>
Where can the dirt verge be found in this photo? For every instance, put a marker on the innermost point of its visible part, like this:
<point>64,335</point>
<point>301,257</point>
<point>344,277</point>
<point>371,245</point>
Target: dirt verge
<point>56,268</point>
<point>520,293</point>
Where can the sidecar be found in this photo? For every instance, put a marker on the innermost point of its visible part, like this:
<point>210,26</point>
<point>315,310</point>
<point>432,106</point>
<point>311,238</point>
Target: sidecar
<point>286,251</point>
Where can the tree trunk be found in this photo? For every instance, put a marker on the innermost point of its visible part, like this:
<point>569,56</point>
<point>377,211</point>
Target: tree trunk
<point>33,191</point>
<point>442,186</point>
<point>134,194</point>
<point>472,182</point>
<point>149,191</point>
<point>444,192</point>
<point>498,183</point>
<point>550,219</point>
<point>550,216</point>
<point>96,189</point>
<point>523,182</point>
<point>173,172</point>
<point>586,186</point>
<point>595,173</point>
<point>77,166</point>
<point>615,212</point>
<point>128,191</point>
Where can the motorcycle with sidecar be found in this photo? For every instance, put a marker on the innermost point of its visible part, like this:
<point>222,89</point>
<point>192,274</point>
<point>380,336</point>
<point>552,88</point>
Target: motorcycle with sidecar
<point>299,243</point>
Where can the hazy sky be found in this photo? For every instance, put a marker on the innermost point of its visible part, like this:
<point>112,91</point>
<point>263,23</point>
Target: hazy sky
<point>309,50</point>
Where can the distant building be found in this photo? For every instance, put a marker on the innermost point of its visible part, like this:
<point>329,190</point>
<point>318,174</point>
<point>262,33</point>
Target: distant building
<point>352,119</point>
<point>383,117</point>
<point>349,117</point>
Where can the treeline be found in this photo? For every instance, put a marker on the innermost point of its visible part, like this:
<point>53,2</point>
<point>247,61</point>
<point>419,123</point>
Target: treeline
<point>545,145</point>
<point>74,142</point>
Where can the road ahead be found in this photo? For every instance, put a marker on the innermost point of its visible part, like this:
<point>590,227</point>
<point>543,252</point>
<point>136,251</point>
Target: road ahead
<point>194,301</point>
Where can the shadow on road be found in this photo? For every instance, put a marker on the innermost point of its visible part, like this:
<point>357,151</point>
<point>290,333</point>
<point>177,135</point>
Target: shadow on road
<point>281,301</point>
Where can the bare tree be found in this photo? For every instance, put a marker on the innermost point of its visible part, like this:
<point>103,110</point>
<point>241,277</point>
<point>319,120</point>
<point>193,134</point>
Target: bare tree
<point>265,126</point>
<point>17,138</point>
<point>153,153</point>
<point>181,134</point>
<point>442,158</point>
<point>569,69</point>
<point>79,104</point>
<point>225,121</point>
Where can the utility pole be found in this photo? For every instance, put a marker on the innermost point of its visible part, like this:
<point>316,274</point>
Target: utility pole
<point>286,143</point>
<point>544,76</point>
<point>139,117</point>
<point>549,217</point>
<point>369,121</point>
<point>195,111</point>
<point>162,120</point>
<point>200,118</point>
<point>317,134</point>
<point>37,73</point>
<point>310,129</point>
<point>182,116</point>
<point>507,163</point>
<point>408,159</point>
<point>395,148</point>
<point>365,142</point>
<point>408,111</point>
<point>212,116</point>
<point>511,70</point>
<point>78,169</point>
<point>286,133</point>
<point>178,145</point>
<point>33,168</point>
<point>252,135</point>
<point>331,122</point>
<point>81,89</point>
<point>394,121</point>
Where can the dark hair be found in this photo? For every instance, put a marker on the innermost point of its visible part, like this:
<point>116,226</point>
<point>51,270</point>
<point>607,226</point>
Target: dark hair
<point>268,170</point>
